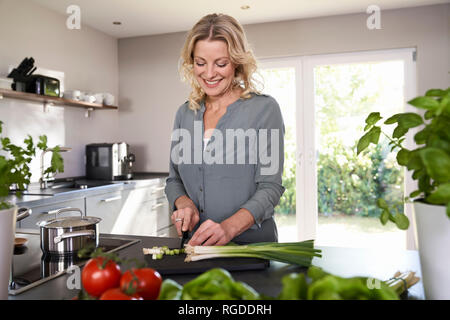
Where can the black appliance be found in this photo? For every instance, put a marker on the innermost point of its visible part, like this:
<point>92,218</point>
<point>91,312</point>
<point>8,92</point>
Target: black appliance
<point>109,161</point>
<point>25,81</point>
<point>43,85</point>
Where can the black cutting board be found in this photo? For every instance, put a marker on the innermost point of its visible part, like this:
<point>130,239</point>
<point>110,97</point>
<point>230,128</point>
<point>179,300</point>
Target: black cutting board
<point>175,264</point>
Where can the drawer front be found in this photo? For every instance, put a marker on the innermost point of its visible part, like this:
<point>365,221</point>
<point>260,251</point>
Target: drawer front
<point>144,220</point>
<point>157,191</point>
<point>148,217</point>
<point>106,207</point>
<point>41,213</point>
<point>168,232</point>
<point>163,214</point>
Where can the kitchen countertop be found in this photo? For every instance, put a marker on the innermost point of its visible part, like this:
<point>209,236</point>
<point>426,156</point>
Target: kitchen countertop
<point>34,196</point>
<point>346,262</point>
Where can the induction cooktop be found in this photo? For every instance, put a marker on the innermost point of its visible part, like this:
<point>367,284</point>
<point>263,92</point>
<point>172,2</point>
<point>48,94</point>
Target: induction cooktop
<point>31,267</point>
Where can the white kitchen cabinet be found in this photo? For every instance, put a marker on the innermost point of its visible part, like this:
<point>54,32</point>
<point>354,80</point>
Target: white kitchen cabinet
<point>46,212</point>
<point>144,212</point>
<point>108,207</point>
<point>141,209</point>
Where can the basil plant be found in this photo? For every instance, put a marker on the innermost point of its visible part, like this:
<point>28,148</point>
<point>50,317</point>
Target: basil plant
<point>15,164</point>
<point>429,161</point>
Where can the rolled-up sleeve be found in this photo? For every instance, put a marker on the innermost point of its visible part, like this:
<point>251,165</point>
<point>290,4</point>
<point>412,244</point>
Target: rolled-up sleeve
<point>174,186</point>
<point>269,170</point>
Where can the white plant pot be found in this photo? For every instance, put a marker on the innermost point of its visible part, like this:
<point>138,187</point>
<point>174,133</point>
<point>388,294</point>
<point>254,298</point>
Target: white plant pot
<point>7,235</point>
<point>433,236</point>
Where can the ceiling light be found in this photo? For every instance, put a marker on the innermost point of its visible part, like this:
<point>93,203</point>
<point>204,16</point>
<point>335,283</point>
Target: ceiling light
<point>117,23</point>
<point>245,7</point>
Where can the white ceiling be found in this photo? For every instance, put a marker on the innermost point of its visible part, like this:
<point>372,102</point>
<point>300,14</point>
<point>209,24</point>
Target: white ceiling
<point>148,17</point>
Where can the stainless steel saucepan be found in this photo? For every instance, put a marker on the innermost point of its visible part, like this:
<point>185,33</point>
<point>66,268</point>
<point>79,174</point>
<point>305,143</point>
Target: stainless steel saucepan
<point>67,235</point>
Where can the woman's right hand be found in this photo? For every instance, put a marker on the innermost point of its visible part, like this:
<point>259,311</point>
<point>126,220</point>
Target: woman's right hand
<point>186,216</point>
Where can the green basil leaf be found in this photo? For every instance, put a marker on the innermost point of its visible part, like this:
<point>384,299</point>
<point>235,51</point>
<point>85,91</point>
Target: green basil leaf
<point>403,157</point>
<point>422,136</point>
<point>415,193</point>
<point>415,161</point>
<point>410,120</point>
<point>435,93</point>
<point>384,218</point>
<point>441,195</point>
<point>363,143</point>
<point>429,114</point>
<point>417,174</point>
<point>437,164</point>
<point>424,103</point>
<point>392,119</point>
<point>373,118</point>
<point>375,134</point>
<point>382,204</point>
<point>448,210</point>
<point>425,184</point>
<point>401,221</point>
<point>399,131</point>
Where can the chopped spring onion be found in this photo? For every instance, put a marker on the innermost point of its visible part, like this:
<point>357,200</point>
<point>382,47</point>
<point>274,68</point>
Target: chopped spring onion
<point>159,252</point>
<point>299,253</point>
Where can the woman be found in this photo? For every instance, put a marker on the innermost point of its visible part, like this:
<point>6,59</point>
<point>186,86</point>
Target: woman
<point>229,139</point>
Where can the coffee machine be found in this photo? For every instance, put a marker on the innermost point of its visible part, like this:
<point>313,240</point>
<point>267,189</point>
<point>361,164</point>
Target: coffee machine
<point>109,161</point>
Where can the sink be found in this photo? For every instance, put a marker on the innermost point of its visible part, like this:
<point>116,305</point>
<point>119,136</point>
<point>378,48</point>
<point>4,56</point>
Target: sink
<point>78,184</point>
<point>61,186</point>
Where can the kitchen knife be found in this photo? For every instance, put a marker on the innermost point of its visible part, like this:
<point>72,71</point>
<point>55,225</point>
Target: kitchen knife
<point>184,238</point>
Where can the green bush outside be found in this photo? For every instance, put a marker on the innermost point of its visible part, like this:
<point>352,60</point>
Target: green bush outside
<point>348,184</point>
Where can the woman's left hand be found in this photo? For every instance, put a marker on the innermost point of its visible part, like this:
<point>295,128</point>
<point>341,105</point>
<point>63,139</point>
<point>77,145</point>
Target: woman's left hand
<point>211,233</point>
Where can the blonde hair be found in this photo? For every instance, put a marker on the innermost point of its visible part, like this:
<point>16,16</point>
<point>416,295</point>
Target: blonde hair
<point>224,28</point>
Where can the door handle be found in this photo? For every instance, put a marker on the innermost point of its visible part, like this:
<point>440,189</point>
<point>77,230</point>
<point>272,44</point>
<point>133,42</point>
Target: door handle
<point>155,206</point>
<point>111,199</point>
<point>299,159</point>
<point>158,189</point>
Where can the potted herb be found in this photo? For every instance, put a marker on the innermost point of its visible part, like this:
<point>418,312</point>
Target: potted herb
<point>429,163</point>
<point>15,171</point>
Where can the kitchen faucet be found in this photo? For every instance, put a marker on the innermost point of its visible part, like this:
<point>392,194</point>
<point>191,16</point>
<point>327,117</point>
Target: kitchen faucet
<point>43,181</point>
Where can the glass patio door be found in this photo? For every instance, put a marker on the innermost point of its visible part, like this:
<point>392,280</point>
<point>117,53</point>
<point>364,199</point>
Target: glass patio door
<point>340,90</point>
<point>330,192</point>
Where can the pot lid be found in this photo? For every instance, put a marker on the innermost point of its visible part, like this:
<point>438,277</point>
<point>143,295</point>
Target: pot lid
<point>69,222</point>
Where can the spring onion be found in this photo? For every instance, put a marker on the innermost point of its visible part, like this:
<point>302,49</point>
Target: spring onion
<point>299,253</point>
<point>401,282</point>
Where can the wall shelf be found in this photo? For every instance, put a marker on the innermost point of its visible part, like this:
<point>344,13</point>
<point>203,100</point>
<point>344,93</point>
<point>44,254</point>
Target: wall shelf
<point>46,100</point>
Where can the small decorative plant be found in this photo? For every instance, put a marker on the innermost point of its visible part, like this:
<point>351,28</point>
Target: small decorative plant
<point>14,164</point>
<point>429,161</point>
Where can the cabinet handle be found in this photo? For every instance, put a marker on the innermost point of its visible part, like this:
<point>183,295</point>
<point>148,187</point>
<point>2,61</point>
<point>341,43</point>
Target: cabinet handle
<point>55,211</point>
<point>111,199</point>
<point>158,189</point>
<point>157,205</point>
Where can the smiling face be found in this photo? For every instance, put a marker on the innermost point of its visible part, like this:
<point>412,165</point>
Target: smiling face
<point>213,68</point>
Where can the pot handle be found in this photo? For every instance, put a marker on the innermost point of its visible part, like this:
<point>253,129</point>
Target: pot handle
<point>68,209</point>
<point>22,213</point>
<point>73,234</point>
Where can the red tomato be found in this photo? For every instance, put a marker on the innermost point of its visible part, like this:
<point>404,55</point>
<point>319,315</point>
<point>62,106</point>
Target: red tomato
<point>145,281</point>
<point>97,279</point>
<point>117,294</point>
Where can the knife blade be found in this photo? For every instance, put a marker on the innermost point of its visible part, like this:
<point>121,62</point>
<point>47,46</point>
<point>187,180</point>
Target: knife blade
<point>184,237</point>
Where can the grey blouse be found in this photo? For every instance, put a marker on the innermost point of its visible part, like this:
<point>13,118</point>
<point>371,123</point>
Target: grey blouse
<point>240,167</point>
